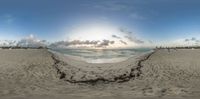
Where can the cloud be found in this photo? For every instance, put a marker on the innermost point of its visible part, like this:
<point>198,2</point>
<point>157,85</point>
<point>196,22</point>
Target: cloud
<point>115,36</point>
<point>130,37</point>
<point>135,40</point>
<point>193,39</point>
<point>186,40</point>
<point>124,30</point>
<point>5,43</point>
<point>79,43</point>
<point>123,42</point>
<point>32,41</point>
<point>105,43</point>
<point>182,42</point>
<point>151,42</point>
<point>75,42</point>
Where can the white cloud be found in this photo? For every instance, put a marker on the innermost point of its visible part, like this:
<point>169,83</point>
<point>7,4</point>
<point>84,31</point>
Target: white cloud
<point>82,44</point>
<point>31,41</point>
<point>115,36</point>
<point>7,43</point>
<point>123,42</point>
<point>182,42</point>
<point>129,36</point>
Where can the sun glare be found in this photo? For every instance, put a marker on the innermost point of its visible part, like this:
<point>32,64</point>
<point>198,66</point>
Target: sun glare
<point>93,32</point>
<point>98,32</point>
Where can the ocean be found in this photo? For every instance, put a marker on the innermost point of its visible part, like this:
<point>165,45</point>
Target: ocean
<point>103,55</point>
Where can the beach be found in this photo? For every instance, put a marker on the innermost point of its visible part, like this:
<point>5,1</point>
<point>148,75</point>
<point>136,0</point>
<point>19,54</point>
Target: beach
<point>43,74</point>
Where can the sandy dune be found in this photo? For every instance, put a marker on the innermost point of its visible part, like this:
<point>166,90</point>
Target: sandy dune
<point>39,74</point>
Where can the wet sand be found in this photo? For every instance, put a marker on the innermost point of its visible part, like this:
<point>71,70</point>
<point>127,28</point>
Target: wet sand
<point>40,74</point>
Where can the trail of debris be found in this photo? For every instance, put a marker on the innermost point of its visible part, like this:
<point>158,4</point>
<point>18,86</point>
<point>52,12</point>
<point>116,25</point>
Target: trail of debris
<point>69,73</point>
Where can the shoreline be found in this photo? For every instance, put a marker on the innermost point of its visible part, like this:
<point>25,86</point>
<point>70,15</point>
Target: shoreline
<point>140,56</point>
<point>102,60</point>
<point>124,77</point>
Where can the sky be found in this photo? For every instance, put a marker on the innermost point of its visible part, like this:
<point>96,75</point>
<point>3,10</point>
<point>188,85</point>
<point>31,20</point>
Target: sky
<point>126,22</point>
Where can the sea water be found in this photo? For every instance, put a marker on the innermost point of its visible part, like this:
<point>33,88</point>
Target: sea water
<point>103,55</point>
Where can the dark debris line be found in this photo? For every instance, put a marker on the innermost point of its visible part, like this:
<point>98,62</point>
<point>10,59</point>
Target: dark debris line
<point>135,72</point>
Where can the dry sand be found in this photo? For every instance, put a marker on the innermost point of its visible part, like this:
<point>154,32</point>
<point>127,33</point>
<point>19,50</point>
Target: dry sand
<point>39,74</point>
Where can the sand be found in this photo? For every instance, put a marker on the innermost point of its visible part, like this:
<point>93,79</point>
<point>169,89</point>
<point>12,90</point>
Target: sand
<point>40,74</point>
